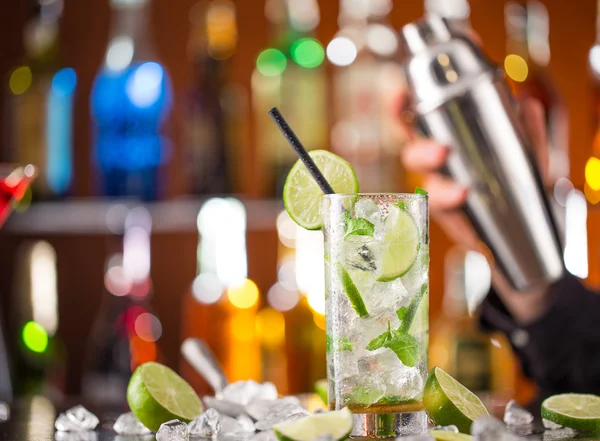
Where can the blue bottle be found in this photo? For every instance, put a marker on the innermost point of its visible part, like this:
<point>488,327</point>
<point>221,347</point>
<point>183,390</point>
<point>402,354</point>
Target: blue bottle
<point>131,99</point>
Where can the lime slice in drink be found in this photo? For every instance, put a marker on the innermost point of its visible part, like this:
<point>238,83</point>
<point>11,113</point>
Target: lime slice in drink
<point>321,390</point>
<point>156,394</point>
<point>401,244</point>
<point>416,319</point>
<point>338,424</point>
<point>444,435</point>
<point>577,411</point>
<point>301,194</point>
<point>448,402</point>
<point>352,291</point>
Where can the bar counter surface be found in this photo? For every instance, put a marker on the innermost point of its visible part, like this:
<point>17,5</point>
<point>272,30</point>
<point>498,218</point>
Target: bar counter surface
<point>33,420</point>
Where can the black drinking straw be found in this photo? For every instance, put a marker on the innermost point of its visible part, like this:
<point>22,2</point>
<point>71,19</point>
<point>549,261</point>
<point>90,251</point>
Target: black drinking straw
<point>300,151</point>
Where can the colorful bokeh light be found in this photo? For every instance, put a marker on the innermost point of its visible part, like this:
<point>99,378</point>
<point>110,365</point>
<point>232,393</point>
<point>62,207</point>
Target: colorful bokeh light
<point>35,337</point>
<point>243,295</point>
<point>592,173</point>
<point>516,67</point>
<point>271,62</point>
<point>307,52</point>
<point>270,327</point>
<point>20,80</point>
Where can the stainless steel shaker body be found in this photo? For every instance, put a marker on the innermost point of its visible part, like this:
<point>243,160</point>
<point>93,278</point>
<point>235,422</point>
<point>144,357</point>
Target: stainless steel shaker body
<point>461,100</point>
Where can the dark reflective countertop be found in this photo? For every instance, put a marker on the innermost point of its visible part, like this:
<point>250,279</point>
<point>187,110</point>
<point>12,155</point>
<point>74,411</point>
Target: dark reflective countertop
<point>33,420</point>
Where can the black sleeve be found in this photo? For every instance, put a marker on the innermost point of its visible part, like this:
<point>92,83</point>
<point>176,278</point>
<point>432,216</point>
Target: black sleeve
<point>561,350</point>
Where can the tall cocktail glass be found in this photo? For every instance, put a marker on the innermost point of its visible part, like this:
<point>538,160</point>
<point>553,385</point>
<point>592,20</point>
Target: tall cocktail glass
<point>377,306</point>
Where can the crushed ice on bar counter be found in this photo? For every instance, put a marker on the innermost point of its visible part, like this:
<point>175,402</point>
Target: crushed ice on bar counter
<point>515,415</point>
<point>280,414</point>
<point>205,425</point>
<point>81,436</point>
<point>267,435</point>
<point>173,430</point>
<point>451,428</point>
<point>76,419</point>
<point>258,408</point>
<point>415,438</point>
<point>231,426</point>
<point>4,412</point>
<point>128,424</point>
<point>550,425</point>
<point>243,392</point>
<point>564,433</point>
<point>490,429</point>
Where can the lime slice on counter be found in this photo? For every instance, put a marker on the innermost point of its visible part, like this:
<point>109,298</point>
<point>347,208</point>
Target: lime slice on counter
<point>338,424</point>
<point>156,394</point>
<point>301,194</point>
<point>577,411</point>
<point>401,244</point>
<point>416,319</point>
<point>443,435</point>
<point>448,402</point>
<point>352,291</point>
<point>321,390</point>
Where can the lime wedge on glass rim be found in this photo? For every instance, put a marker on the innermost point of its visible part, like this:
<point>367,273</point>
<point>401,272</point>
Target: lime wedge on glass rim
<point>156,394</point>
<point>338,424</point>
<point>401,243</point>
<point>301,194</point>
<point>447,402</point>
<point>577,411</point>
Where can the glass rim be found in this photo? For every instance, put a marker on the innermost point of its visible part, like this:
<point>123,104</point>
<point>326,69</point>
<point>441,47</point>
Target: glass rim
<point>388,194</point>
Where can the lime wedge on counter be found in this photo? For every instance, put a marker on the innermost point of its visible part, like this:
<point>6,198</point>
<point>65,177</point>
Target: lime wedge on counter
<point>352,291</point>
<point>338,424</point>
<point>322,390</point>
<point>577,411</point>
<point>448,402</point>
<point>156,394</point>
<point>302,196</point>
<point>443,435</point>
<point>401,244</point>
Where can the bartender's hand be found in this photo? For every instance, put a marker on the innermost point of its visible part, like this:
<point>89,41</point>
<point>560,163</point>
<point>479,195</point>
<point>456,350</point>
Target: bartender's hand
<point>446,197</point>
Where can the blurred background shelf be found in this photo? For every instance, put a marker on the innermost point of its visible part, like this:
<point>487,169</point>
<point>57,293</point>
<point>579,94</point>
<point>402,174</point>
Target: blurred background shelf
<point>89,216</point>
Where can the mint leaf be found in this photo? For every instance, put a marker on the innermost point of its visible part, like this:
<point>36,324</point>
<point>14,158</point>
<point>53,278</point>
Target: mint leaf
<point>401,204</point>
<point>419,190</point>
<point>405,346</point>
<point>359,227</point>
<point>380,340</point>
<point>343,344</point>
<point>401,312</point>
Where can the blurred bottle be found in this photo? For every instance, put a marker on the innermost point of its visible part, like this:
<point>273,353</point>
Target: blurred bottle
<point>38,354</point>
<point>592,182</point>
<point>215,106</point>
<point>130,102</point>
<point>126,331</point>
<point>305,343</point>
<point>6,393</point>
<point>220,306</point>
<point>526,66</point>
<point>40,107</point>
<point>289,74</point>
<point>481,362</point>
<point>367,79</point>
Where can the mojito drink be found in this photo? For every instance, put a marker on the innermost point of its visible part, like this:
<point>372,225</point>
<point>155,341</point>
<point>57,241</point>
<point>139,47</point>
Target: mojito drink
<point>376,266</point>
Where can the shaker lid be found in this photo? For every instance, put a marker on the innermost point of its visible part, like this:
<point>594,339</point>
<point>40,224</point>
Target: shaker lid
<point>440,61</point>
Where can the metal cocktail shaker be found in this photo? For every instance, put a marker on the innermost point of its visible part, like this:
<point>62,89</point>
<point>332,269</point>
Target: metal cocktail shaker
<point>461,100</point>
